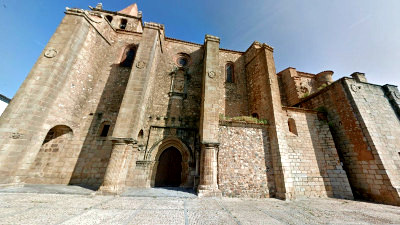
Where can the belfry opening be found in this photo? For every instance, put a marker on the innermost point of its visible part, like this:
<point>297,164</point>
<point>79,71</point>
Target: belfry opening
<point>169,169</point>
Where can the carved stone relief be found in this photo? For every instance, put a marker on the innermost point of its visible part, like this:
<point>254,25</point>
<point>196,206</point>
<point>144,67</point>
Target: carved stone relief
<point>140,65</point>
<point>355,88</point>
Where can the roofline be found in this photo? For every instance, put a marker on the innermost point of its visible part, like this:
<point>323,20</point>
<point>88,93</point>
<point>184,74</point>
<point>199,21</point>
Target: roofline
<point>116,13</point>
<point>200,45</point>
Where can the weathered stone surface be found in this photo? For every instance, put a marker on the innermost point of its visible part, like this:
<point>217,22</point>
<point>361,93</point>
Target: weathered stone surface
<point>107,97</point>
<point>40,208</point>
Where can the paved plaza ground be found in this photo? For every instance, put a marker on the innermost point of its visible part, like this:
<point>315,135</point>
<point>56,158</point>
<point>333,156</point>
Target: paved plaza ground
<point>57,204</point>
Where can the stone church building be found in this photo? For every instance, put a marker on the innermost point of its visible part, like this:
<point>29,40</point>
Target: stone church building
<point>113,103</point>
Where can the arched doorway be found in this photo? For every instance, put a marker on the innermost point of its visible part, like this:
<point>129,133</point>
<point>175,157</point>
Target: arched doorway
<point>169,168</point>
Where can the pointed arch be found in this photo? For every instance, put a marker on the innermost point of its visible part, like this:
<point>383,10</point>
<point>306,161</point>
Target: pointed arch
<point>168,143</point>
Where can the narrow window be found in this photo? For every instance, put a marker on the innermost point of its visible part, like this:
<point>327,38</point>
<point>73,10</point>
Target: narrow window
<point>292,126</point>
<point>140,135</point>
<point>104,131</point>
<point>128,57</point>
<point>254,115</point>
<point>230,78</point>
<point>109,18</point>
<point>123,24</point>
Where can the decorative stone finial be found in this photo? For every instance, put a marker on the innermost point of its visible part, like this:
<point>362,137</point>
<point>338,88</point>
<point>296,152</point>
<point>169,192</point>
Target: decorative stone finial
<point>99,6</point>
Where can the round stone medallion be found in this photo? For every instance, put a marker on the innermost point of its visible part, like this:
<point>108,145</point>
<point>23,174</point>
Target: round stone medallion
<point>355,88</point>
<point>140,64</point>
<point>50,53</point>
<point>211,74</point>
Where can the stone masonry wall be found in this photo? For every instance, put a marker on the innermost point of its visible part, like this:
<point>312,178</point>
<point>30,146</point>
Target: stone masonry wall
<point>313,157</point>
<point>103,108</point>
<point>167,115</point>
<point>235,94</point>
<point>91,96</point>
<point>378,118</point>
<point>366,172</point>
<point>39,96</point>
<point>244,161</point>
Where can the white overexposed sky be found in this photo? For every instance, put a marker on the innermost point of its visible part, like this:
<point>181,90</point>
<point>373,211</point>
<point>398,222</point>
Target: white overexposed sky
<point>311,35</point>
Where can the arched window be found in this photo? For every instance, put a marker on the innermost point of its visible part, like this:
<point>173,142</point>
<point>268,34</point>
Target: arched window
<point>109,18</point>
<point>123,23</point>
<point>104,129</point>
<point>255,115</point>
<point>229,70</point>
<point>128,57</point>
<point>292,126</point>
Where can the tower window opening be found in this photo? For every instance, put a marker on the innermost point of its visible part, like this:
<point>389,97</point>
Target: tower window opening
<point>109,18</point>
<point>123,24</point>
<point>104,131</point>
<point>230,77</point>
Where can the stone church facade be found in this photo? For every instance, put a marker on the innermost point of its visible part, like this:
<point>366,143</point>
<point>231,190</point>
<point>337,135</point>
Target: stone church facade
<point>113,103</point>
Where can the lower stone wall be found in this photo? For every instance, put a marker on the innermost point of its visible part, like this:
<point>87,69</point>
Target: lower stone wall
<point>244,161</point>
<point>314,161</point>
<point>367,173</point>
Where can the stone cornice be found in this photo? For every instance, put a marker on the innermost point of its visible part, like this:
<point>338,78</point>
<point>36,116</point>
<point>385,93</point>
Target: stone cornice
<point>120,141</point>
<point>211,38</point>
<point>210,144</point>
<point>260,45</point>
<point>152,25</point>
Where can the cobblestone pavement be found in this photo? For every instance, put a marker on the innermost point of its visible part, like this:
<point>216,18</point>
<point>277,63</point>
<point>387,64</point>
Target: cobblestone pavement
<point>147,207</point>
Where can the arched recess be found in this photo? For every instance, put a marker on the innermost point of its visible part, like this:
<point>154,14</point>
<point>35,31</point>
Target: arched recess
<point>167,143</point>
<point>48,165</point>
<point>128,56</point>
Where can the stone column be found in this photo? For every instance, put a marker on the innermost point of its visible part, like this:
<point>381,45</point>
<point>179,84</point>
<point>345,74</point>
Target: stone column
<point>132,110</point>
<point>209,171</point>
<point>264,99</point>
<point>209,119</point>
<point>114,178</point>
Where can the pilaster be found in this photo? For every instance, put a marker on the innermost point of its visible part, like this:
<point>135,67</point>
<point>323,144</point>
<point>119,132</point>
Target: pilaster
<point>265,100</point>
<point>138,89</point>
<point>117,169</point>
<point>209,119</point>
<point>132,110</point>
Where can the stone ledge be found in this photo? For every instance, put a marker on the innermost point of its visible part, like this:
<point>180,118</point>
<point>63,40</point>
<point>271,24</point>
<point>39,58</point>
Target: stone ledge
<point>211,38</point>
<point>242,124</point>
